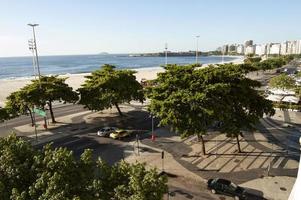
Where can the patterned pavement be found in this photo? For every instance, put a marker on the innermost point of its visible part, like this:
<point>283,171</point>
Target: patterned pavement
<point>264,153</point>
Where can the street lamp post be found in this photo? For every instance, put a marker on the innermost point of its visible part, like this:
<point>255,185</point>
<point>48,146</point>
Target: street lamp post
<point>197,49</point>
<point>31,48</point>
<point>223,56</point>
<point>34,48</point>
<point>153,134</point>
<point>166,54</point>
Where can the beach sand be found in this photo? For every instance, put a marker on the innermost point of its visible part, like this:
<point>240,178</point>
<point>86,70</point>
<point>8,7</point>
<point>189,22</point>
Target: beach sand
<point>7,86</point>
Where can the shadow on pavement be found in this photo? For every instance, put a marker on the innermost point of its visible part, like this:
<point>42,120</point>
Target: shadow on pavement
<point>253,194</point>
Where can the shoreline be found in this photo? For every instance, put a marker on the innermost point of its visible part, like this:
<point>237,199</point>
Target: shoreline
<point>7,86</point>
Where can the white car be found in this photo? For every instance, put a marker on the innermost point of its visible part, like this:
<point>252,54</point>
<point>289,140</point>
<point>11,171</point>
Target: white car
<point>106,131</point>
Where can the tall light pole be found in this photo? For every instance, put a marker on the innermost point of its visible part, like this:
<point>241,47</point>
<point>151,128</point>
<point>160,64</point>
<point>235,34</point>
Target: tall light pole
<point>197,49</point>
<point>223,55</point>
<point>166,54</point>
<point>31,48</point>
<point>35,48</point>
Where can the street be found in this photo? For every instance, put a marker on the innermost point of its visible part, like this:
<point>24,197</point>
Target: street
<point>59,110</point>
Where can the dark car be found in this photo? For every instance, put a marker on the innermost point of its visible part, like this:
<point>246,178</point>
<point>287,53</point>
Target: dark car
<point>226,187</point>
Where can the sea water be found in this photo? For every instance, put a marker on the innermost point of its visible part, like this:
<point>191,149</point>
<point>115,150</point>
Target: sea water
<point>17,67</point>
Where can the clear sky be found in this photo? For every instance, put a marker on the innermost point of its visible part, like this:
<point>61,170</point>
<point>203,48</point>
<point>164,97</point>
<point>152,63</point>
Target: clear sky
<point>131,26</point>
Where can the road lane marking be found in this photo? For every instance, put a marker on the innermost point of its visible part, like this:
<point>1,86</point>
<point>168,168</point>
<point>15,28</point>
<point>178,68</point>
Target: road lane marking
<point>70,142</point>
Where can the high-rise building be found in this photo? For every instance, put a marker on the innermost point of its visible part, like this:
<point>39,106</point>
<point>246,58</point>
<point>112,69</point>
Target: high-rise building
<point>258,50</point>
<point>275,48</point>
<point>250,50</point>
<point>225,49</point>
<point>248,43</point>
<point>240,49</point>
<point>298,47</point>
<point>232,48</point>
<point>284,48</point>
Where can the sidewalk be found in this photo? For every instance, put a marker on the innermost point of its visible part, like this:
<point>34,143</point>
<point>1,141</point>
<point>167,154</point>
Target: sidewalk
<point>289,117</point>
<point>245,169</point>
<point>183,184</point>
<point>276,188</point>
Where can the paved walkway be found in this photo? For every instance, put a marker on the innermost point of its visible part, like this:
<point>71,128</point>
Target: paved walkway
<point>264,155</point>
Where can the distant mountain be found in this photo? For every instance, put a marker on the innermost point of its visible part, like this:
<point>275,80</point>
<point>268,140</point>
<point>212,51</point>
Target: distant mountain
<point>103,53</point>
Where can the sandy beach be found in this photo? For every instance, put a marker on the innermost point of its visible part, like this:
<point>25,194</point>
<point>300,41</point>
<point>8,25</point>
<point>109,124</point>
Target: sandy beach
<point>7,86</point>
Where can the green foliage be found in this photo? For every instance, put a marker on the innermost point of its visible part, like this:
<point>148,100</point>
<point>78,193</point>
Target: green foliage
<point>268,64</point>
<point>52,174</point>
<point>108,87</point>
<point>4,114</point>
<point>191,100</point>
<point>18,103</point>
<point>251,60</point>
<point>285,106</point>
<point>125,181</point>
<point>40,93</point>
<point>17,160</point>
<point>282,81</point>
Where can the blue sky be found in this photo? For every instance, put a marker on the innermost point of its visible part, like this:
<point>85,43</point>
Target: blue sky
<point>119,26</point>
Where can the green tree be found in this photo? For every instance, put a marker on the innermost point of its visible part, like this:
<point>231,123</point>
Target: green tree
<point>191,100</point>
<point>26,173</point>
<point>18,104</point>
<point>16,172</point>
<point>44,92</point>
<point>251,60</point>
<point>283,82</point>
<point>108,87</point>
<point>4,115</point>
<point>129,181</point>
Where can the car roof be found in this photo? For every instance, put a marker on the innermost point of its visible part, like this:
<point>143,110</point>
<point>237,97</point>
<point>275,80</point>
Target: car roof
<point>107,127</point>
<point>223,181</point>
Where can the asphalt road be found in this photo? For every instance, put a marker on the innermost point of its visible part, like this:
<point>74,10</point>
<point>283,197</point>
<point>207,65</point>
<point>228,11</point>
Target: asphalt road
<point>108,149</point>
<point>59,110</point>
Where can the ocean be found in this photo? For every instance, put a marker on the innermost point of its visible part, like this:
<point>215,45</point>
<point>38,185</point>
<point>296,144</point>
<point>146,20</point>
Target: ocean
<point>17,67</point>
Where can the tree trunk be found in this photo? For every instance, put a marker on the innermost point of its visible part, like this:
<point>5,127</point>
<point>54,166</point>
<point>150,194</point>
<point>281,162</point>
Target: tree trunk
<point>51,112</point>
<point>119,111</point>
<point>203,145</point>
<point>238,144</point>
<point>31,117</point>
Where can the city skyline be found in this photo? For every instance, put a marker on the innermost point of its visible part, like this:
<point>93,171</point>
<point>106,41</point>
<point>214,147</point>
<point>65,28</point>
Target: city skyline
<point>71,28</point>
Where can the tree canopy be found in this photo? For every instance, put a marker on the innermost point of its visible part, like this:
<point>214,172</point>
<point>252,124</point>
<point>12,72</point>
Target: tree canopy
<point>4,114</point>
<point>282,81</point>
<point>109,87</point>
<point>26,173</point>
<point>41,93</point>
<point>191,100</point>
<point>18,104</point>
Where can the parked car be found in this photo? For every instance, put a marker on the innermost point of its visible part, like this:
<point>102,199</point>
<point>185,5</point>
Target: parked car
<point>226,187</point>
<point>106,131</point>
<point>120,133</point>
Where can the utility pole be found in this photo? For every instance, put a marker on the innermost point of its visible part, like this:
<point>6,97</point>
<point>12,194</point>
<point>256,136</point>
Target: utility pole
<point>197,49</point>
<point>153,134</point>
<point>223,55</point>
<point>166,54</point>
<point>33,47</point>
